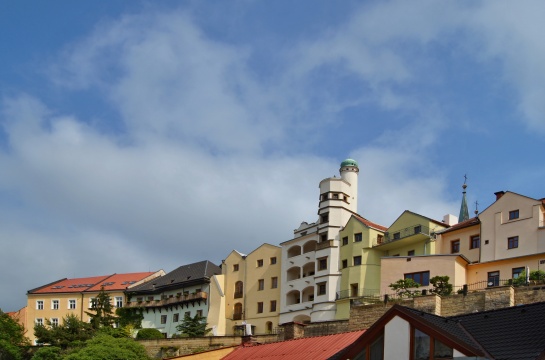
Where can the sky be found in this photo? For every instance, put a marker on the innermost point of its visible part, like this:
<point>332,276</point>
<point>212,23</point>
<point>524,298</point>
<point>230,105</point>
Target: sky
<point>145,135</point>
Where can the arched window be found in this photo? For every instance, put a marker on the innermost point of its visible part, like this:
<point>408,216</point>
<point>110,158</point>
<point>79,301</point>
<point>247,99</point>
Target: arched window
<point>239,289</point>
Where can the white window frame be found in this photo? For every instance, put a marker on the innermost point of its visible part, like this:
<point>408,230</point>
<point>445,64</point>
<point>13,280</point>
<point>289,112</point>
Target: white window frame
<point>39,321</point>
<point>70,302</point>
<point>118,301</point>
<point>55,304</point>
<point>54,321</point>
<point>39,304</point>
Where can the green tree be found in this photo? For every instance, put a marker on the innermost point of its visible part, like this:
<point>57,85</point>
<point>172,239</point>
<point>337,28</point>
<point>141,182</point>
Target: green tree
<point>441,285</point>
<point>535,275</point>
<point>12,338</point>
<point>403,287</point>
<point>147,334</point>
<point>70,332</point>
<point>107,347</point>
<point>102,313</point>
<point>193,326</point>
<point>48,353</point>
<point>131,317</point>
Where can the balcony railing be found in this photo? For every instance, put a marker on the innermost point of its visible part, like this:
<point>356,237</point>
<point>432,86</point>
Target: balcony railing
<point>404,233</point>
<point>325,244</point>
<point>169,301</point>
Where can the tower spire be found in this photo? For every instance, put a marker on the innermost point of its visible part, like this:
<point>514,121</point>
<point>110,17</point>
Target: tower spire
<point>464,213</point>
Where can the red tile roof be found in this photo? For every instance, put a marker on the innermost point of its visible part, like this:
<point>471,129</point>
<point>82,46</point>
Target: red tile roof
<point>313,348</point>
<point>370,224</point>
<point>95,283</point>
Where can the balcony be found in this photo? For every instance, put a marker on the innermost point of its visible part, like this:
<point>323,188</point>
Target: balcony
<point>406,236</point>
<point>175,300</point>
<point>325,244</point>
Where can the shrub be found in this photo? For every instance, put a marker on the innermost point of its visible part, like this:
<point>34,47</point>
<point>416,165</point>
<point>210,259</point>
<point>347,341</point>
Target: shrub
<point>402,288</point>
<point>149,334</point>
<point>441,285</point>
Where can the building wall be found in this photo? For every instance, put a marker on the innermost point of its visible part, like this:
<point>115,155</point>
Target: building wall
<point>250,273</point>
<point>496,227</point>
<point>83,303</point>
<point>477,273</point>
<point>397,331</point>
<point>394,268</point>
<point>464,235</point>
<point>216,314</point>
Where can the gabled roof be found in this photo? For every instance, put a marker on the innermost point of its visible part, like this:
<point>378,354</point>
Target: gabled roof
<point>514,333</point>
<point>369,223</point>
<point>517,194</point>
<point>422,216</point>
<point>461,225</point>
<point>184,275</point>
<point>95,283</point>
<point>312,348</point>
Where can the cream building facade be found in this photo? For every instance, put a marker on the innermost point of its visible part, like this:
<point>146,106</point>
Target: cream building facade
<point>310,261</point>
<point>55,301</point>
<point>252,290</point>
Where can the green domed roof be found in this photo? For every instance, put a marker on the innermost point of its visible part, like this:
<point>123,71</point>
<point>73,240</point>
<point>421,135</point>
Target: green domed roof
<point>349,162</point>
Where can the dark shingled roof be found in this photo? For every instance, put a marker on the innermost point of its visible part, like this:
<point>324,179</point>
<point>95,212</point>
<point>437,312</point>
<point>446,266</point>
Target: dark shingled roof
<point>515,333</point>
<point>184,275</point>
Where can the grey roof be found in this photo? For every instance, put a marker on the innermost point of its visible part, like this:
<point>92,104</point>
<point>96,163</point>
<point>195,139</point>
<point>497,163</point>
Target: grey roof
<point>185,275</point>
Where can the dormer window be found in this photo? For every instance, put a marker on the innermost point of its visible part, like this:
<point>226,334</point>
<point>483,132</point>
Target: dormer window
<point>513,214</point>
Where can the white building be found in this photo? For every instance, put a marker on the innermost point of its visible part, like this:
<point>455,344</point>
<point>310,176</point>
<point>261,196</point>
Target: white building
<point>310,261</point>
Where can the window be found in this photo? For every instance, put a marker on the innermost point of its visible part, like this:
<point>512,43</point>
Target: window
<point>39,304</point>
<point>176,317</point>
<point>475,242</point>
<point>409,253</point>
<point>380,239</point>
<point>426,347</point>
<point>239,288</point>
<point>517,272</point>
<point>321,288</point>
<point>55,304</point>
<point>39,321</point>
<point>357,237</point>
<point>119,301</point>
<point>54,322</point>
<point>397,235</point>
<point>260,307</point>
<point>235,267</point>
<point>91,303</point>
<point>494,278</point>
<point>260,263</point>
<point>187,314</point>
<point>323,237</point>
<point>455,246</point>
<point>72,304</point>
<point>423,277</point>
<point>273,260</point>
<point>163,319</point>
<point>324,218</point>
<point>345,240</point>
<point>344,263</point>
<point>237,313</point>
<point>513,242</point>
<point>322,263</point>
<point>335,196</point>
<point>273,305</point>
<point>513,214</point>
<point>199,313</point>
<point>274,282</point>
<point>417,229</point>
<point>260,284</point>
<point>357,260</point>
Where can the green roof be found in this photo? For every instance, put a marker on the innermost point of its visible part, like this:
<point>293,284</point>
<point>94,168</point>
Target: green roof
<point>349,162</point>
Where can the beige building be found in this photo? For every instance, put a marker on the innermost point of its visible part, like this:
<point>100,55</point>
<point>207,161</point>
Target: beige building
<point>64,297</point>
<point>252,290</point>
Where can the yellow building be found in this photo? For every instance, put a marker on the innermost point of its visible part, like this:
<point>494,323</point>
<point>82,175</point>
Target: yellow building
<point>359,262</point>
<point>64,297</point>
<point>252,290</point>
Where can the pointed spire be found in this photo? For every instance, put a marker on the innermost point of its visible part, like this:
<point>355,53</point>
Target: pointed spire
<point>464,212</point>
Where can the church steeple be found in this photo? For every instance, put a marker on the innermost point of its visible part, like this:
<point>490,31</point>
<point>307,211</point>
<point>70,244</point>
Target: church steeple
<point>464,213</point>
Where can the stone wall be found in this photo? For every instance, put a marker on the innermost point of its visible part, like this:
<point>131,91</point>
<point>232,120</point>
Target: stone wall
<point>184,346</point>
<point>529,295</point>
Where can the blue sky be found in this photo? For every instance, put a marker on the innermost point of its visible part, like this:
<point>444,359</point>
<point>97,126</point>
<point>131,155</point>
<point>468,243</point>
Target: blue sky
<point>144,135</point>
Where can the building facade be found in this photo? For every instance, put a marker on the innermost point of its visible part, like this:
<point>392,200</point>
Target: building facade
<point>310,261</point>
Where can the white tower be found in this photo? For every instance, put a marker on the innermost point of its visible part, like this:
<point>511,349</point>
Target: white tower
<point>349,173</point>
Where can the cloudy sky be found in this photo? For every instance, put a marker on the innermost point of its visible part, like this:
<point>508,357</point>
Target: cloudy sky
<point>144,135</point>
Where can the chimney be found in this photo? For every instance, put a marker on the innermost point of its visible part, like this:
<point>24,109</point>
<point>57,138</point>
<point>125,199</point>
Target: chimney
<point>450,219</point>
<point>499,194</point>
